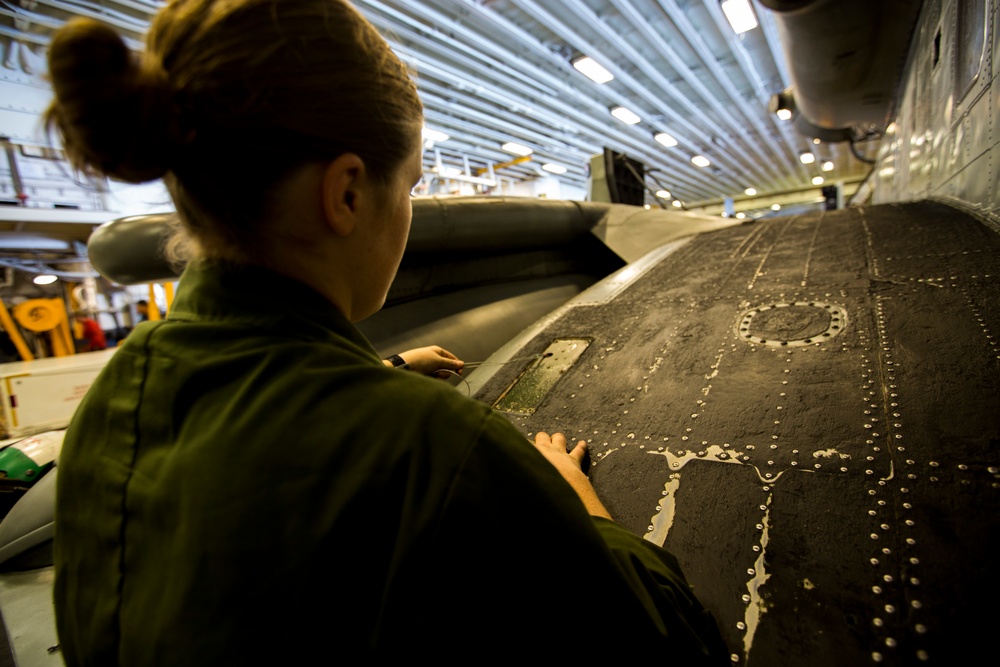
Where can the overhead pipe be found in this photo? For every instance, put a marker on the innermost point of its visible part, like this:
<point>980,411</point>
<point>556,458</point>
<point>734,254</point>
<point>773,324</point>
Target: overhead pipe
<point>639,151</point>
<point>746,65</point>
<point>737,163</point>
<point>674,160</point>
<point>416,30</point>
<point>770,30</point>
<point>627,143</point>
<point>528,40</point>
<point>691,36</point>
<point>733,126</point>
<point>784,151</point>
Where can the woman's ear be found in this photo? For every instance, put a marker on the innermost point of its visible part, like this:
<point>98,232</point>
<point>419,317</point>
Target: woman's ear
<point>342,192</point>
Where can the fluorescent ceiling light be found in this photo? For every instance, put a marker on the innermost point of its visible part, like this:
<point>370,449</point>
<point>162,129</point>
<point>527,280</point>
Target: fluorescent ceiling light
<point>665,139</point>
<point>516,149</point>
<point>700,160</point>
<point>818,180</point>
<point>784,114</point>
<point>775,207</point>
<point>677,203</point>
<point>554,168</point>
<point>624,115</point>
<point>434,135</point>
<point>827,166</point>
<point>750,192</point>
<point>663,194</point>
<point>591,69</point>
<point>807,158</point>
<point>740,15</point>
<point>45,279</point>
<point>741,215</point>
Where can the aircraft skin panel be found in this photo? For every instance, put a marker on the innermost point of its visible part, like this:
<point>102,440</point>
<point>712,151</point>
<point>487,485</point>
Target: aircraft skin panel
<point>834,501</point>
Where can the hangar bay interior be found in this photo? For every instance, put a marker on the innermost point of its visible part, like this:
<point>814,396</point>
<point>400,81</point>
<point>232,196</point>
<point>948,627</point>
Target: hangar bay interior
<point>800,403</point>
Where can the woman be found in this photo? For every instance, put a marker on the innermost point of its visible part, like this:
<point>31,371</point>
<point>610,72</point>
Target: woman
<point>247,482</point>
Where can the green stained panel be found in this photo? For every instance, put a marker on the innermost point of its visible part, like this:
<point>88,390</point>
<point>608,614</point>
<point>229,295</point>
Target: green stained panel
<point>525,394</point>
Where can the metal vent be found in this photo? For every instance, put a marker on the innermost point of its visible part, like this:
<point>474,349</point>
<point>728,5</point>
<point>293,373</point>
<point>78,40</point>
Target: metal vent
<point>792,324</point>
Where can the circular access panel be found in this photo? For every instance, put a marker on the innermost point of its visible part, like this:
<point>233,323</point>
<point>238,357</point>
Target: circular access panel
<point>792,324</point>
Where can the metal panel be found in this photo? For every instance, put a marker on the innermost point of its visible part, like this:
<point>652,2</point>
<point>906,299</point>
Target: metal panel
<point>531,387</point>
<point>991,204</point>
<point>976,179</point>
<point>995,50</point>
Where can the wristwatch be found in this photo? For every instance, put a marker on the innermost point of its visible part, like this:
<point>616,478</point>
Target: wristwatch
<point>396,361</point>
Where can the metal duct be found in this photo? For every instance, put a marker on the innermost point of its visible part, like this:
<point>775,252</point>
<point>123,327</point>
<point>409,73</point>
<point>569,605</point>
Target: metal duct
<point>446,224</point>
<point>130,250</point>
<point>845,57</point>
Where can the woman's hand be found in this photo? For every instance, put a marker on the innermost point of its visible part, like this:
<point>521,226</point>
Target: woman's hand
<point>568,464</point>
<point>432,360</point>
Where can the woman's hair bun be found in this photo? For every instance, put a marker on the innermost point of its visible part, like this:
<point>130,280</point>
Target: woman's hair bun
<point>115,112</point>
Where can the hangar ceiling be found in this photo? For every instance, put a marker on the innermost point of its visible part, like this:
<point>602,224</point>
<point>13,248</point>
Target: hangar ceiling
<point>498,71</point>
<point>492,71</point>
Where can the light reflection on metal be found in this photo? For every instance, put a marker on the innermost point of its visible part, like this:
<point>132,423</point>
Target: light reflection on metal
<point>526,393</point>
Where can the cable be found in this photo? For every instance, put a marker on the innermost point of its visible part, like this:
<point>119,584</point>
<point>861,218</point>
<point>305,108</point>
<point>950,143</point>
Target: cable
<point>477,364</point>
<point>642,182</point>
<point>468,387</point>
<point>858,155</point>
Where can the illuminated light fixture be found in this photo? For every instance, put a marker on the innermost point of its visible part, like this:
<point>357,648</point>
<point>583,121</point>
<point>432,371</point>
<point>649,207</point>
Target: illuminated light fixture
<point>783,104</point>
<point>750,192</point>
<point>818,180</point>
<point>775,207</point>
<point>646,206</point>
<point>700,160</point>
<point>677,203</point>
<point>665,139</point>
<point>816,141</point>
<point>516,149</point>
<point>554,168</point>
<point>624,115</point>
<point>807,158</point>
<point>593,70</point>
<point>827,166</point>
<point>434,135</point>
<point>663,194</point>
<point>45,279</point>
<point>741,215</point>
<point>740,15</point>
<point>451,171</point>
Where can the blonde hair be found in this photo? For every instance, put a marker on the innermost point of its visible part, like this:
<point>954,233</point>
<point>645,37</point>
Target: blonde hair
<point>228,98</point>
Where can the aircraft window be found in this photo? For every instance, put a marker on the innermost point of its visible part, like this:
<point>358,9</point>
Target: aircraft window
<point>971,39</point>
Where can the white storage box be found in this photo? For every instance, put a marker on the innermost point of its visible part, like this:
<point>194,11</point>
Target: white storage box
<point>41,395</point>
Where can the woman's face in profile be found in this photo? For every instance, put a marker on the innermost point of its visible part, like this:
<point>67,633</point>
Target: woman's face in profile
<point>389,232</point>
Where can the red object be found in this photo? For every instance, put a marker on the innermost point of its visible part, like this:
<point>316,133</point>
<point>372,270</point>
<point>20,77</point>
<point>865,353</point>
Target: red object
<point>93,335</point>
